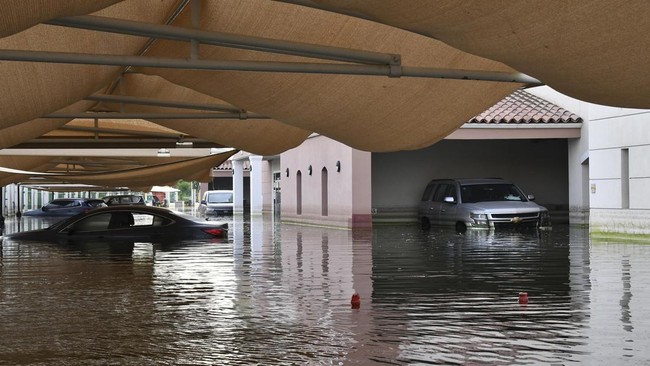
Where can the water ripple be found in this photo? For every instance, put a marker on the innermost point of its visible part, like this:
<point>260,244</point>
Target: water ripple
<point>280,294</point>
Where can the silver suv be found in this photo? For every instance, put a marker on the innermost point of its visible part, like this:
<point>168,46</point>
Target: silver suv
<point>216,203</point>
<point>479,204</point>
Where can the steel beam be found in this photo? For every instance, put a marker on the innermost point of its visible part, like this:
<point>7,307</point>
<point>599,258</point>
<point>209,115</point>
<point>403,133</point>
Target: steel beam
<point>117,131</point>
<point>261,66</point>
<point>162,31</point>
<point>108,143</point>
<point>154,116</point>
<point>108,98</point>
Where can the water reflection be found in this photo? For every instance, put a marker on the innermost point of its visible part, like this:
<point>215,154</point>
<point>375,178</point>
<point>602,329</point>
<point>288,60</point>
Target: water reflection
<point>280,294</point>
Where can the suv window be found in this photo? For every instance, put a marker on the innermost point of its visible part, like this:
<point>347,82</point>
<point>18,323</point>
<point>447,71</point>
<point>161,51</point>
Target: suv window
<point>428,191</point>
<point>444,190</point>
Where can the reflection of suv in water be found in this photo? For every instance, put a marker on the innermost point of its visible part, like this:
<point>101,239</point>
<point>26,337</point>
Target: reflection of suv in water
<point>479,204</point>
<point>216,203</point>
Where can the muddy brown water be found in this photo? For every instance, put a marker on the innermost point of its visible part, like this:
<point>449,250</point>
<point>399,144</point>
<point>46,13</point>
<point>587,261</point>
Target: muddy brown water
<point>279,294</point>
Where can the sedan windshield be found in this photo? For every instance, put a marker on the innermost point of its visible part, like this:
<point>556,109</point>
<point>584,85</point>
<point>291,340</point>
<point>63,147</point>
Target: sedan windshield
<point>491,192</point>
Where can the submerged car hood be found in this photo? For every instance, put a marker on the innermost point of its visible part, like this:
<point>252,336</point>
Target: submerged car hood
<point>505,206</point>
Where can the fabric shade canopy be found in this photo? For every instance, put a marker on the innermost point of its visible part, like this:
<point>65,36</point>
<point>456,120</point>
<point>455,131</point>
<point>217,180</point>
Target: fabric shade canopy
<point>135,173</point>
<point>594,50</point>
<point>357,71</point>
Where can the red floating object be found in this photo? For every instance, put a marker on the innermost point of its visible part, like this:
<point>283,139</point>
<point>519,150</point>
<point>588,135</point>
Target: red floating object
<point>523,297</point>
<point>356,301</point>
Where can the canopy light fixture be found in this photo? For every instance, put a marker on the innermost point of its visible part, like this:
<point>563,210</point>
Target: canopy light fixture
<point>164,153</point>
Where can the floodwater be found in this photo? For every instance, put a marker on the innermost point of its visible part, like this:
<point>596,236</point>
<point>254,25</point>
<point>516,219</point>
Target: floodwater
<point>278,294</point>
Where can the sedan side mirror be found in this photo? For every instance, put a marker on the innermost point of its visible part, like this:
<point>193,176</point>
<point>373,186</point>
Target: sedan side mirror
<point>43,208</point>
<point>531,197</point>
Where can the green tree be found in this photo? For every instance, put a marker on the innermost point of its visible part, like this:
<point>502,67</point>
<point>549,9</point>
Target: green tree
<point>185,190</point>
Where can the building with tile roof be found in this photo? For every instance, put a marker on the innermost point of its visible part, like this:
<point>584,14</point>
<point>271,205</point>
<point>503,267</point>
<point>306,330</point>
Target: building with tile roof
<point>525,108</point>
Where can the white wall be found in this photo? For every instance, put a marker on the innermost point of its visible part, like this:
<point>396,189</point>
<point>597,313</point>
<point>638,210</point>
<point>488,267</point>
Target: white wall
<point>619,192</point>
<point>578,154</point>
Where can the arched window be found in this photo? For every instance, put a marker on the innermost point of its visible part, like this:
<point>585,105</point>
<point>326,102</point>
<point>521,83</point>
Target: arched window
<point>323,190</point>
<point>299,193</point>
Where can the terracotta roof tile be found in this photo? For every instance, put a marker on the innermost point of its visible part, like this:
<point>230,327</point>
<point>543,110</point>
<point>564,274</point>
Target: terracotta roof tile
<point>227,165</point>
<point>523,107</point>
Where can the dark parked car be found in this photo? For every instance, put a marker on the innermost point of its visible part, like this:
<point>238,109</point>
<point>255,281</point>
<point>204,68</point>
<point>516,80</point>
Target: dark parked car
<point>127,223</point>
<point>124,199</point>
<point>67,207</point>
<point>480,204</point>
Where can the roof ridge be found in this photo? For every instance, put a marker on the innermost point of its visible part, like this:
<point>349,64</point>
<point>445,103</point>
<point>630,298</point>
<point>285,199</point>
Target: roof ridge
<point>523,107</point>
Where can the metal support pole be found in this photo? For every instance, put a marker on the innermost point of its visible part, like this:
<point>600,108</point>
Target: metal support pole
<point>262,66</point>
<point>221,39</point>
<point>161,103</point>
<point>154,116</point>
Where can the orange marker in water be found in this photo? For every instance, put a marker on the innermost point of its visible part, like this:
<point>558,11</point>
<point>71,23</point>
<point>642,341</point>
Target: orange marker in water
<point>523,297</point>
<point>356,301</point>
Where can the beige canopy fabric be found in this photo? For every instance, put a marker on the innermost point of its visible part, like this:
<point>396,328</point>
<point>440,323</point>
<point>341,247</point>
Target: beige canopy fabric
<point>27,163</point>
<point>365,112</point>
<point>136,173</point>
<point>32,90</point>
<point>249,135</point>
<point>592,50</point>
<point>22,14</point>
<point>15,134</point>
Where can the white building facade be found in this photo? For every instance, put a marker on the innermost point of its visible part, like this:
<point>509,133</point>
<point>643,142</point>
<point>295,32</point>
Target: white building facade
<point>614,152</point>
<point>619,184</point>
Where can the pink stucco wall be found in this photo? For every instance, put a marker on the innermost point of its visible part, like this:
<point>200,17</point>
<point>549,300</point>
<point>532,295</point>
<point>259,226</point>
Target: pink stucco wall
<point>348,190</point>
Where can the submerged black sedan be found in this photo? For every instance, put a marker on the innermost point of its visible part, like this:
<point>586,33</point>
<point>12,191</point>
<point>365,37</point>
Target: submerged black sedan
<point>127,223</point>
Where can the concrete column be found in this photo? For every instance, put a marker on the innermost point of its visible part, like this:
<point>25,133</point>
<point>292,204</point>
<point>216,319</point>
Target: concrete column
<point>256,184</point>
<point>238,185</point>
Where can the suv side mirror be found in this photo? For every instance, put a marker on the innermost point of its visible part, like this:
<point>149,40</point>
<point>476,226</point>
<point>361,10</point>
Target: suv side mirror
<point>531,197</point>
<point>203,202</point>
<point>449,199</point>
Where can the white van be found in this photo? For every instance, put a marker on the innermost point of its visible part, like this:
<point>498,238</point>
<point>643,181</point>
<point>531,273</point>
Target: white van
<point>216,203</point>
